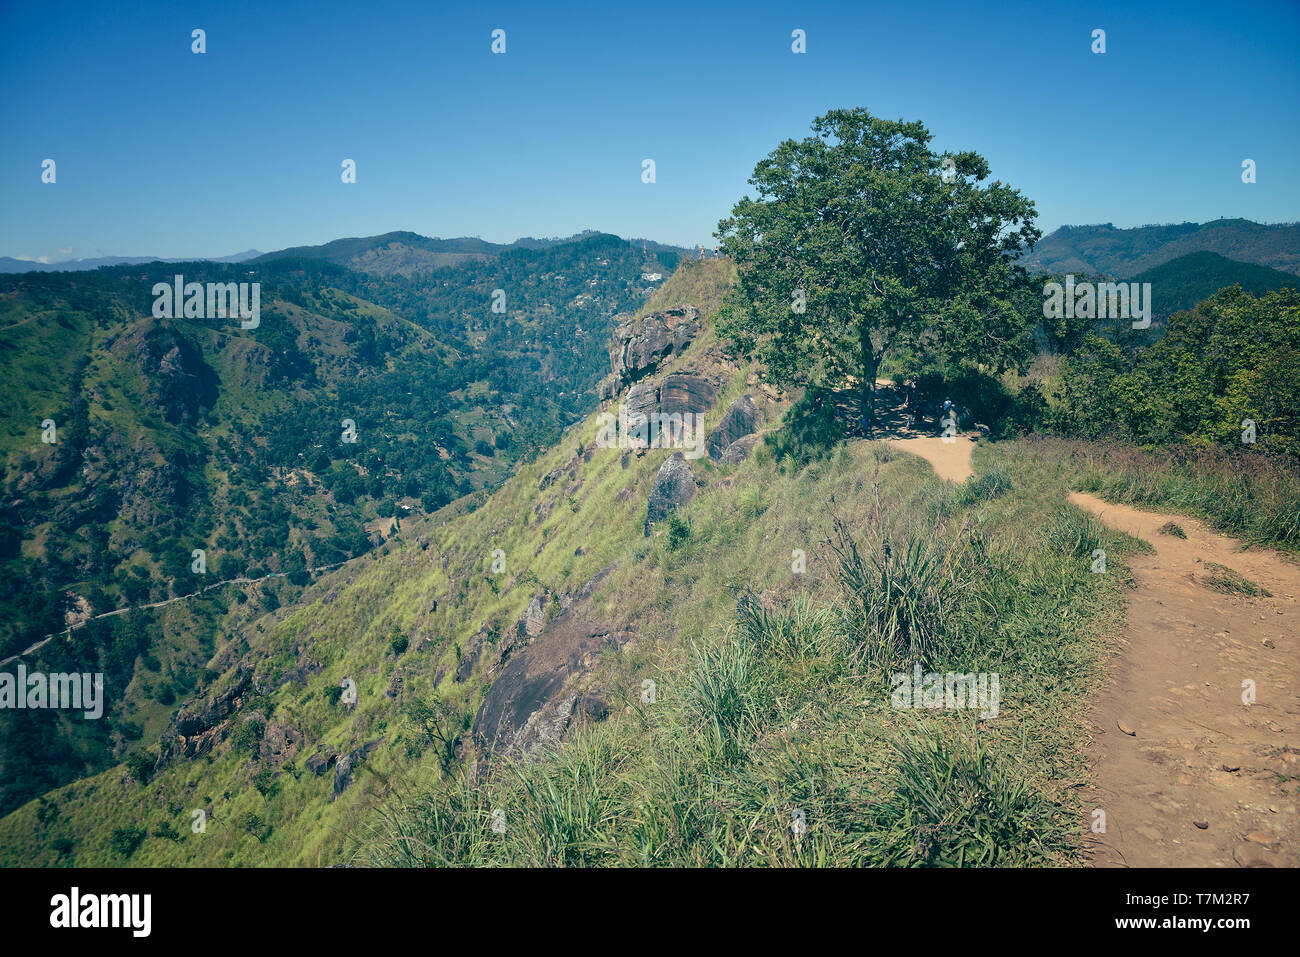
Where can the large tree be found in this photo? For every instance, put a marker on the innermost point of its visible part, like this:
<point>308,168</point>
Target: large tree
<point>862,241</point>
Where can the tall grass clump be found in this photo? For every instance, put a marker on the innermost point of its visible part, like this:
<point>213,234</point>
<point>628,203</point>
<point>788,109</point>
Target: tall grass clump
<point>900,594</point>
<point>718,698</point>
<point>955,806</point>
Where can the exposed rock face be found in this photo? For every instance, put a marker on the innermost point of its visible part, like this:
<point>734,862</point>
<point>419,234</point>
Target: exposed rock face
<point>738,450</point>
<point>197,730</point>
<point>686,392</point>
<point>320,762</point>
<point>674,486</point>
<point>532,703</point>
<point>740,420</point>
<point>348,763</point>
<point>280,744</point>
<point>642,398</point>
<point>641,346</point>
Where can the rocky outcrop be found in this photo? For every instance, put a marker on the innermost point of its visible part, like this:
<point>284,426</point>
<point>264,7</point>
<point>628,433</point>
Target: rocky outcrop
<point>738,450</point>
<point>673,487</point>
<point>642,345</point>
<point>641,399</point>
<point>280,744</point>
<point>739,421</point>
<point>348,763</point>
<point>533,702</point>
<point>321,761</point>
<point>199,728</point>
<point>686,392</point>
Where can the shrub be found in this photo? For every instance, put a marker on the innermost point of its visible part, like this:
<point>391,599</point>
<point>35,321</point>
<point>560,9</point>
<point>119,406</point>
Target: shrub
<point>125,840</point>
<point>679,532</point>
<point>140,764</point>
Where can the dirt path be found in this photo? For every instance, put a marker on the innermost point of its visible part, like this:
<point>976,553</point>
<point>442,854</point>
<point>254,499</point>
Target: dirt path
<point>1204,780</point>
<point>169,601</point>
<point>1199,755</point>
<point>950,459</point>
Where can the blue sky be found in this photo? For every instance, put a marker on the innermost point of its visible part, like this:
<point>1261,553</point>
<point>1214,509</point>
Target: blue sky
<point>160,151</point>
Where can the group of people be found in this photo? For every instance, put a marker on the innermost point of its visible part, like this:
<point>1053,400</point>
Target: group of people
<point>912,410</point>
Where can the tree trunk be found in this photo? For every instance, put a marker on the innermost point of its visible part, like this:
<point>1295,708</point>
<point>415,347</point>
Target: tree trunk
<point>870,365</point>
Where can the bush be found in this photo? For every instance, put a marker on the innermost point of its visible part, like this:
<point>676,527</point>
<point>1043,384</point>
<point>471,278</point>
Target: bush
<point>140,764</point>
<point>679,532</point>
<point>126,840</point>
<point>399,642</point>
<point>248,736</point>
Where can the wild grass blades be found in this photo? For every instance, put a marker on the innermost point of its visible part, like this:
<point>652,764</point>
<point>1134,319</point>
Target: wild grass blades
<point>717,692</point>
<point>1248,494</point>
<point>956,806</point>
<point>798,629</point>
<point>900,594</point>
<point>1071,532</point>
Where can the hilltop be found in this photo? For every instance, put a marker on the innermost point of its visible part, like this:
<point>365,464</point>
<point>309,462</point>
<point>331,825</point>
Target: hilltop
<point>1123,253</point>
<point>1183,282</point>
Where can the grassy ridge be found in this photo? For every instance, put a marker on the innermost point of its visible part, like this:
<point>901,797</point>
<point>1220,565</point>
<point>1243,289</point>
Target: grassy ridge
<point>771,709</point>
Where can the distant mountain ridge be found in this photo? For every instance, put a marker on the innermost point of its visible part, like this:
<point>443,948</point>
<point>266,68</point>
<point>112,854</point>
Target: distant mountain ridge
<point>8,264</point>
<point>1123,253</point>
<point>405,253</point>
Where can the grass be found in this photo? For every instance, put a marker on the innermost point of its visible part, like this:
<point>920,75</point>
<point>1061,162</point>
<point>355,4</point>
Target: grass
<point>1223,579</point>
<point>1247,494</point>
<point>769,712</point>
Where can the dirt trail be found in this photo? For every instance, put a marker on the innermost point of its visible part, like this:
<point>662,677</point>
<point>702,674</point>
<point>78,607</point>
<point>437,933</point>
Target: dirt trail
<point>951,458</point>
<point>1204,780</point>
<point>1199,755</point>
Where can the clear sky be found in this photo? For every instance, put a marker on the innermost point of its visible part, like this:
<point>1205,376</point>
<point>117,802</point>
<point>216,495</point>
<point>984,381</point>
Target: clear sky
<point>164,152</point>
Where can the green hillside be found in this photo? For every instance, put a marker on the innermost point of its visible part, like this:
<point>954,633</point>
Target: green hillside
<point>760,672</point>
<point>183,434</point>
<point>1183,282</point>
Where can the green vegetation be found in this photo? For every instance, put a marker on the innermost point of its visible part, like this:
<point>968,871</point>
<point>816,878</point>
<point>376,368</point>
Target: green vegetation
<point>185,434</point>
<point>1108,251</point>
<point>1183,282</point>
<point>886,246</point>
<point>1231,361</point>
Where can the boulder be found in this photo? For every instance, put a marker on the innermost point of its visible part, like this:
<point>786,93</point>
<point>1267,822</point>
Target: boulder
<point>320,762</point>
<point>740,420</point>
<point>739,450</point>
<point>673,487</point>
<point>686,392</point>
<point>531,704</point>
<point>348,763</point>
<point>642,345</point>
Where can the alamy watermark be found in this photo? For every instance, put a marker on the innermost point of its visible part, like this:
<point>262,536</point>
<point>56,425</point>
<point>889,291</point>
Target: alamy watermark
<point>658,430</point>
<point>1107,300</point>
<point>946,690</point>
<point>38,690</point>
<point>187,300</point>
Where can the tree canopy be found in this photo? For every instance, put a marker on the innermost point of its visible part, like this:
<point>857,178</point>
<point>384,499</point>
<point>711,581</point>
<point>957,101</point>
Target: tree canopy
<point>863,241</point>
